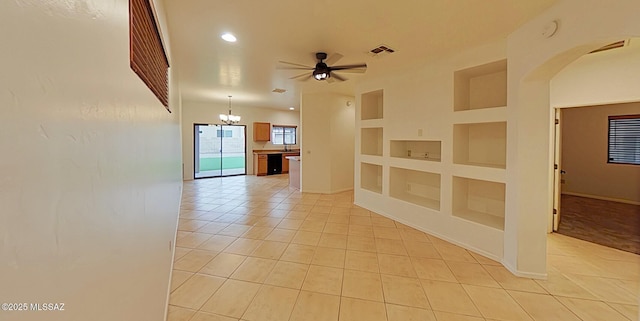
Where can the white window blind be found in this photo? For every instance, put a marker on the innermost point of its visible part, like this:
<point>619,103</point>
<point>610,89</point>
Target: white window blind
<point>624,139</point>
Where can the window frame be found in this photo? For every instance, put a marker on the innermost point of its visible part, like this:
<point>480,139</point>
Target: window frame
<point>224,133</point>
<point>282,142</point>
<point>610,134</point>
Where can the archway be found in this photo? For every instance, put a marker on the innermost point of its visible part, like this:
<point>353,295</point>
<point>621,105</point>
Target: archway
<point>536,52</point>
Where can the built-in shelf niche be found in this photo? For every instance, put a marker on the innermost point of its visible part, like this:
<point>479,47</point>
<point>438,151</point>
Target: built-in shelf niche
<point>371,177</point>
<point>479,201</point>
<point>427,150</point>
<point>480,144</point>
<point>417,187</point>
<point>483,86</point>
<point>371,141</point>
<point>371,106</point>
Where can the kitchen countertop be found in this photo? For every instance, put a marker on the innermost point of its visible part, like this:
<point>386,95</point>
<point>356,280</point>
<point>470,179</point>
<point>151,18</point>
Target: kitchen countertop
<point>294,158</point>
<point>275,151</point>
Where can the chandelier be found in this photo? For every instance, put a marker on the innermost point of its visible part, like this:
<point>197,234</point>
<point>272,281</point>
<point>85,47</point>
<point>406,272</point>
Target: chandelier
<point>229,119</point>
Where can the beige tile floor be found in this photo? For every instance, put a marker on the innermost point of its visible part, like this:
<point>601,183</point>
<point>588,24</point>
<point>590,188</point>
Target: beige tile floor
<point>252,249</point>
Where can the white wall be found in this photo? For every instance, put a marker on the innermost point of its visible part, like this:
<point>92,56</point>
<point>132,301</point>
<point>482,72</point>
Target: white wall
<point>342,143</point>
<point>584,155</point>
<point>197,112</point>
<point>423,99</point>
<point>327,143</point>
<point>604,77</point>
<point>90,185</point>
<point>534,60</point>
<point>418,105</point>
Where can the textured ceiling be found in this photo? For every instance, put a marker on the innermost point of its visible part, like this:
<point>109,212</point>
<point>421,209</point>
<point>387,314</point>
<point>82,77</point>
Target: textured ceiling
<point>210,69</point>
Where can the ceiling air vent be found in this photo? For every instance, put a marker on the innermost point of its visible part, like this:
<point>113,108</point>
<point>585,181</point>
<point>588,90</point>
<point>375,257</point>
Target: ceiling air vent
<point>381,50</point>
<point>617,44</point>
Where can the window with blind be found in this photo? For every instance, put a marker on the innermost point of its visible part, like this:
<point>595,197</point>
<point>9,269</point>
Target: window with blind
<point>283,135</point>
<point>624,139</point>
<point>146,52</point>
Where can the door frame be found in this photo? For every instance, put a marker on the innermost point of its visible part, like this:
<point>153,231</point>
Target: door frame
<point>557,169</point>
<point>196,141</point>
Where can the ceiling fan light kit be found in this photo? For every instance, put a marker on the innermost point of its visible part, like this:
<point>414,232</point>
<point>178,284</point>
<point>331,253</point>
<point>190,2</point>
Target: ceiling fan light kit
<point>321,72</point>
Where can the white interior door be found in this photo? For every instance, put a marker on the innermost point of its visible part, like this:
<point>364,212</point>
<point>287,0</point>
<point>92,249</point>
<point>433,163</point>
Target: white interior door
<point>557,171</point>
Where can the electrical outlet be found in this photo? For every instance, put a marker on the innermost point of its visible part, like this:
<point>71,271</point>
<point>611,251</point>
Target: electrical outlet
<point>420,132</point>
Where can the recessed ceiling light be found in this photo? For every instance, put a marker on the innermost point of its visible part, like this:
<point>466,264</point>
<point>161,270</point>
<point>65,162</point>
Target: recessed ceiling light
<point>291,108</point>
<point>228,37</point>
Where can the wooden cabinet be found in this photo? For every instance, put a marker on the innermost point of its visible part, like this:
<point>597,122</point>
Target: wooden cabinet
<point>261,132</point>
<point>285,161</point>
<point>285,164</point>
<point>261,161</point>
<point>260,164</point>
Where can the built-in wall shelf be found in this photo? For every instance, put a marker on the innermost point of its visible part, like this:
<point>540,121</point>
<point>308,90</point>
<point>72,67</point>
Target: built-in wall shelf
<point>371,123</point>
<point>498,114</point>
<point>479,87</point>
<point>371,105</point>
<point>482,173</point>
<point>417,187</point>
<point>441,170</point>
<point>407,163</point>
<point>480,144</point>
<point>422,150</point>
<point>371,177</point>
<point>479,201</point>
<point>371,141</point>
<point>371,159</point>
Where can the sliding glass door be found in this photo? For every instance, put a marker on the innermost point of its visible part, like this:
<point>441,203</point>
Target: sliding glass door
<point>219,150</point>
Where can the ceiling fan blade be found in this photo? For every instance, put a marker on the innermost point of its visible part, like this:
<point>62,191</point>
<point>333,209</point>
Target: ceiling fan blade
<point>299,76</point>
<point>352,70</point>
<point>338,77</point>
<point>361,67</point>
<point>293,65</point>
<point>333,59</point>
<point>292,68</point>
<point>303,77</point>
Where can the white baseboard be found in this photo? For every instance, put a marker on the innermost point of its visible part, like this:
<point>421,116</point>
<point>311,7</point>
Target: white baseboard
<point>328,192</point>
<point>342,190</point>
<point>604,198</point>
<point>445,238</point>
<point>512,269</point>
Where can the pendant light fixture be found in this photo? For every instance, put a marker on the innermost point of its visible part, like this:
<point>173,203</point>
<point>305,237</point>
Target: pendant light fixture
<point>229,119</point>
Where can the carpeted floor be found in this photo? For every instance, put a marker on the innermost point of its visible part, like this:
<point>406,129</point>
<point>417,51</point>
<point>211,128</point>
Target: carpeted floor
<point>607,223</point>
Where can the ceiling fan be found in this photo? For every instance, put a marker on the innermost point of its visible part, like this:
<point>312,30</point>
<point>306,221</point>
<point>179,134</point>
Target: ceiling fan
<point>322,70</point>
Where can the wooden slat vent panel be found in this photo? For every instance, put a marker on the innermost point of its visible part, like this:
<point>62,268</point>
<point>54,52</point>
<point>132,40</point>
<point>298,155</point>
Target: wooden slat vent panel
<point>147,56</point>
